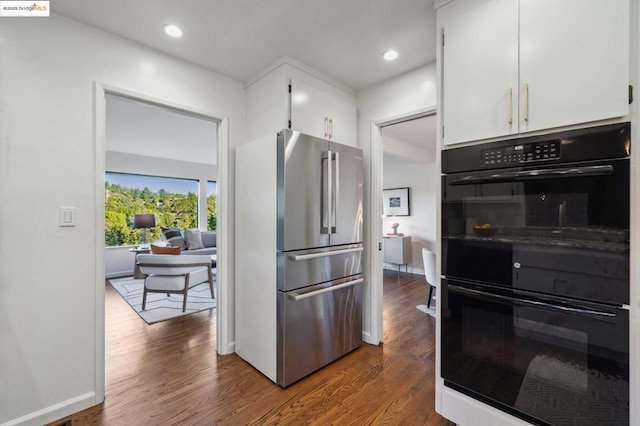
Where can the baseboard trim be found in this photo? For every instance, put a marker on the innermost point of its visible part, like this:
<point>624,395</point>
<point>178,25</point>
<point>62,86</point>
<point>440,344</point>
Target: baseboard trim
<point>366,337</point>
<point>57,411</point>
<point>119,274</point>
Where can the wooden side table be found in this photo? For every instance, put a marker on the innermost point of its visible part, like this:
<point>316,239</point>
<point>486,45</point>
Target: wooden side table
<point>137,274</point>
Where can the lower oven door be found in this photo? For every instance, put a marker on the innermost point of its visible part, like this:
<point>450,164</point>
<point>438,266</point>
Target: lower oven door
<point>545,359</point>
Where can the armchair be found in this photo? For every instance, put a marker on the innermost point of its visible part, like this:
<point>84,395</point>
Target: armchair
<point>174,274</point>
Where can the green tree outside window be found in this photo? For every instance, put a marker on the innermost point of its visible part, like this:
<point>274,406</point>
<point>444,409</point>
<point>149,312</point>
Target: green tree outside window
<point>172,208</point>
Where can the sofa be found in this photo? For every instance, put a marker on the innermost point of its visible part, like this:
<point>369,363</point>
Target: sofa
<point>192,241</point>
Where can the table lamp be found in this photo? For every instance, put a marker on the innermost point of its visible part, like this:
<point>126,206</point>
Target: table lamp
<point>144,221</point>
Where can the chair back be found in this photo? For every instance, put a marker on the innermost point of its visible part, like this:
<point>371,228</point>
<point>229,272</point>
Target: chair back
<point>167,264</point>
<point>429,260</point>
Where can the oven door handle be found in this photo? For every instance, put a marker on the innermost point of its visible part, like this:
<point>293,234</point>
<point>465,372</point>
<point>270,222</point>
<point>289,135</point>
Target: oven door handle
<point>589,313</point>
<point>508,176</point>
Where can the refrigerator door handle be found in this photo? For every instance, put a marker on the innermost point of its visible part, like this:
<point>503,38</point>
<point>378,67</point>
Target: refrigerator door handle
<point>330,190</point>
<point>323,254</point>
<point>297,296</point>
<point>336,194</point>
<point>325,196</point>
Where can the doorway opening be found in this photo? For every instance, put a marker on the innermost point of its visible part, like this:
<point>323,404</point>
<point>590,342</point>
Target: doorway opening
<point>158,162</point>
<point>409,150</point>
<point>403,157</point>
<point>127,156</point>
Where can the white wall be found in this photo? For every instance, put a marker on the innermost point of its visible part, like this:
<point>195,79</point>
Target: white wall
<point>395,98</point>
<point>48,288</point>
<point>421,179</point>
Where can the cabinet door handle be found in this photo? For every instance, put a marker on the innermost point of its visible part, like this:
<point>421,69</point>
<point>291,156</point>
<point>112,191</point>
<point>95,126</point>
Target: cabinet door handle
<point>326,127</point>
<point>510,117</point>
<point>526,102</point>
<point>330,128</point>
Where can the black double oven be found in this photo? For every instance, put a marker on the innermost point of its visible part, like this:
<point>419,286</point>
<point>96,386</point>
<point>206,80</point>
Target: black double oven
<point>535,265</point>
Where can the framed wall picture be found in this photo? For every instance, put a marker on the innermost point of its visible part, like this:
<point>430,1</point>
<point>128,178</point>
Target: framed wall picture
<point>396,202</point>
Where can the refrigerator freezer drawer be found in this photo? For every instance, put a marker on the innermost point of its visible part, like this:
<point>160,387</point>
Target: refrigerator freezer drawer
<point>307,267</point>
<point>316,326</point>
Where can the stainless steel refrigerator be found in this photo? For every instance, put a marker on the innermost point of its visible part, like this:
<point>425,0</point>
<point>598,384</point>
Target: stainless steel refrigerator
<point>299,224</point>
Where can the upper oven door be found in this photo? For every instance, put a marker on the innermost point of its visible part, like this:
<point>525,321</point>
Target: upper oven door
<point>579,212</point>
<point>555,202</point>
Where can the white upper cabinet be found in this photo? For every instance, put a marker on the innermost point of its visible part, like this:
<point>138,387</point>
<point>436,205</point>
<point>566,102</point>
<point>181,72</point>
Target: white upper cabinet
<point>574,61</point>
<point>480,76</point>
<point>318,113</point>
<point>517,66</point>
<point>294,96</point>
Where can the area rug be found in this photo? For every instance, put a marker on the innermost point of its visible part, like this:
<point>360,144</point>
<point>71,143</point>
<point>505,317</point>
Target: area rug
<point>430,311</point>
<point>161,307</point>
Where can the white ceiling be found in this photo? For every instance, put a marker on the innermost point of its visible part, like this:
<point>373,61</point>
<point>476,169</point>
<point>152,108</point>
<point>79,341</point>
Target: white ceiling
<point>343,39</point>
<point>419,132</point>
<point>420,136</point>
<point>144,129</point>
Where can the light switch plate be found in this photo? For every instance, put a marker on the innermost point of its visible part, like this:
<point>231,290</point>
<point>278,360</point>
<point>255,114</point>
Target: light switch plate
<point>67,216</point>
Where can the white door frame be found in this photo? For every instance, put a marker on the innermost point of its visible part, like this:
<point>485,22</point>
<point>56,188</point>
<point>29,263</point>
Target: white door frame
<point>222,310</point>
<point>375,336</point>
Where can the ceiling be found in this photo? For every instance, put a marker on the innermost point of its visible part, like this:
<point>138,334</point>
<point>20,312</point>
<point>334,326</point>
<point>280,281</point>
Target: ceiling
<point>343,39</point>
<point>419,133</point>
<point>141,128</point>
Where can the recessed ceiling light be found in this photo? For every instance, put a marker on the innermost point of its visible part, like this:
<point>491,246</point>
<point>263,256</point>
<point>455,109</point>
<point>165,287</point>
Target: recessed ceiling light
<point>390,55</point>
<point>172,30</point>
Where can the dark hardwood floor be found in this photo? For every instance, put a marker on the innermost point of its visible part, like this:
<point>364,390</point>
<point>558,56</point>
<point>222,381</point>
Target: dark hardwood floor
<point>169,374</point>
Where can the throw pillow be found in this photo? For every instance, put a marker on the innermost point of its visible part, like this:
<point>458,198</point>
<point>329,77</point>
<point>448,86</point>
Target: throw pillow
<point>174,237</point>
<point>165,250</point>
<point>193,239</point>
<point>209,238</point>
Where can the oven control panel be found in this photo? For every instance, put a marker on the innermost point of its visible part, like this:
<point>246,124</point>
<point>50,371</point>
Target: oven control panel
<point>521,154</point>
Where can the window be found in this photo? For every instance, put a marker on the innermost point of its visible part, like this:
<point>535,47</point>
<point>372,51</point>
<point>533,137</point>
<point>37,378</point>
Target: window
<point>174,202</point>
<point>212,205</point>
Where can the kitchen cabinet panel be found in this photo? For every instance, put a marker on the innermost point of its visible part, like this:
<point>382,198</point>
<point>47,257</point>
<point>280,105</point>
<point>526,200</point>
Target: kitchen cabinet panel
<point>512,67</point>
<point>293,96</point>
<point>318,113</point>
<point>574,60</point>
<point>480,80</point>
<point>266,106</point>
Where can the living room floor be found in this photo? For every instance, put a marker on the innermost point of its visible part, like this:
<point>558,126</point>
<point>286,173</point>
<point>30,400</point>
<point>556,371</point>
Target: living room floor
<point>169,373</point>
